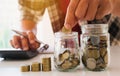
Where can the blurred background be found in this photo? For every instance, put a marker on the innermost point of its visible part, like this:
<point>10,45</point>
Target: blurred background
<point>10,17</point>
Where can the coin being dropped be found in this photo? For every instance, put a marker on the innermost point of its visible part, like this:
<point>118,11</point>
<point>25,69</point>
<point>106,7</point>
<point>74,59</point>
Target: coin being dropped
<point>65,30</point>
<point>91,63</point>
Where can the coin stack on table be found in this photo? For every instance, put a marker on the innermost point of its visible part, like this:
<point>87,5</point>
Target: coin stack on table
<point>95,53</point>
<point>46,64</point>
<point>25,68</point>
<point>35,67</point>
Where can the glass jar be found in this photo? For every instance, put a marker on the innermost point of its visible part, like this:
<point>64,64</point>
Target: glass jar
<point>95,45</point>
<point>66,55</point>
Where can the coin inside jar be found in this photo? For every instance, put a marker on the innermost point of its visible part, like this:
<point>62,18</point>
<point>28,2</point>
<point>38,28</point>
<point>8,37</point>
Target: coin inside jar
<point>64,55</point>
<point>93,54</point>
<point>91,63</point>
<point>66,65</point>
<point>94,40</point>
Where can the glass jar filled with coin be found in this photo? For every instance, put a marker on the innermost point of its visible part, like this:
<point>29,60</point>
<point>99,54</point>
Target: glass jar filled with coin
<point>66,55</point>
<point>95,45</point>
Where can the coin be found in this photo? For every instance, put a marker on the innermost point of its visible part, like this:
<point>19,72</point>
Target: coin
<point>103,51</point>
<point>65,55</point>
<point>66,65</point>
<point>75,62</point>
<point>25,68</point>
<point>91,63</point>
<point>46,61</point>
<point>93,54</point>
<point>94,40</point>
<point>106,58</point>
<point>35,66</point>
<point>84,60</point>
<point>101,66</point>
<point>46,68</point>
<point>65,30</point>
<point>103,38</point>
<point>46,64</point>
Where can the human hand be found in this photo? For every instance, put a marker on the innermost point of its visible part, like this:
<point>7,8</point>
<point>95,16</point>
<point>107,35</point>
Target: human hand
<point>115,7</point>
<point>25,43</point>
<point>86,10</point>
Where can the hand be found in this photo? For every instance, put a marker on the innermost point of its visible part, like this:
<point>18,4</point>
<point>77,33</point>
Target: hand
<point>25,43</point>
<point>86,10</point>
<point>115,7</point>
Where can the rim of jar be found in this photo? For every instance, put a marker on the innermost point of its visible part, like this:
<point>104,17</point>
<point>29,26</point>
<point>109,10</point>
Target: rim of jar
<point>94,28</point>
<point>62,34</point>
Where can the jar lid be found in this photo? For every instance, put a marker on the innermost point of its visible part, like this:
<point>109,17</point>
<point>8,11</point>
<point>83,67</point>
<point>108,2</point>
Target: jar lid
<point>95,28</point>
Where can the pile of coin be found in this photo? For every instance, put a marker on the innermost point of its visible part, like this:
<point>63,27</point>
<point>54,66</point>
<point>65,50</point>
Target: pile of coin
<point>25,68</point>
<point>46,64</point>
<point>35,67</point>
<point>67,61</point>
<point>95,53</point>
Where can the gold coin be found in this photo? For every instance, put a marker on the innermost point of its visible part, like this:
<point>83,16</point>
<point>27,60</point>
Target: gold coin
<point>101,66</point>
<point>103,51</point>
<point>46,67</point>
<point>34,69</point>
<point>66,30</point>
<point>106,58</point>
<point>103,38</point>
<point>66,65</point>
<point>35,66</point>
<point>25,68</point>
<point>84,57</point>
<point>65,55</point>
<point>46,61</point>
<point>75,62</point>
<point>93,54</point>
<point>91,63</point>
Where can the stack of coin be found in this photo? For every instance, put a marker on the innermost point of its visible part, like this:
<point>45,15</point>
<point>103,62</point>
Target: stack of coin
<point>95,55</point>
<point>46,64</point>
<point>67,61</point>
<point>35,67</point>
<point>25,68</point>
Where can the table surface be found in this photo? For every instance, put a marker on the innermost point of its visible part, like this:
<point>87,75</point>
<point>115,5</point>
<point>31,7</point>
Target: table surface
<point>12,67</point>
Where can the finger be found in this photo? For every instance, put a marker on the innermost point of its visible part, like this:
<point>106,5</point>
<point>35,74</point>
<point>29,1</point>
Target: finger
<point>24,43</point>
<point>11,42</point>
<point>31,37</point>
<point>24,33</point>
<point>104,9</point>
<point>92,9</point>
<point>34,46</point>
<point>81,9</point>
<point>16,41</point>
<point>70,19</point>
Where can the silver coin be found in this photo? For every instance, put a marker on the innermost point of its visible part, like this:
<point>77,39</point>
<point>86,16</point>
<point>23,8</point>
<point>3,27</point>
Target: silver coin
<point>95,40</point>
<point>91,63</point>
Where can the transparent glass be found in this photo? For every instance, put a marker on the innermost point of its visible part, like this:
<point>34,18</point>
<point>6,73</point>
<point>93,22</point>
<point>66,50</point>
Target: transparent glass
<point>95,45</point>
<point>66,55</point>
